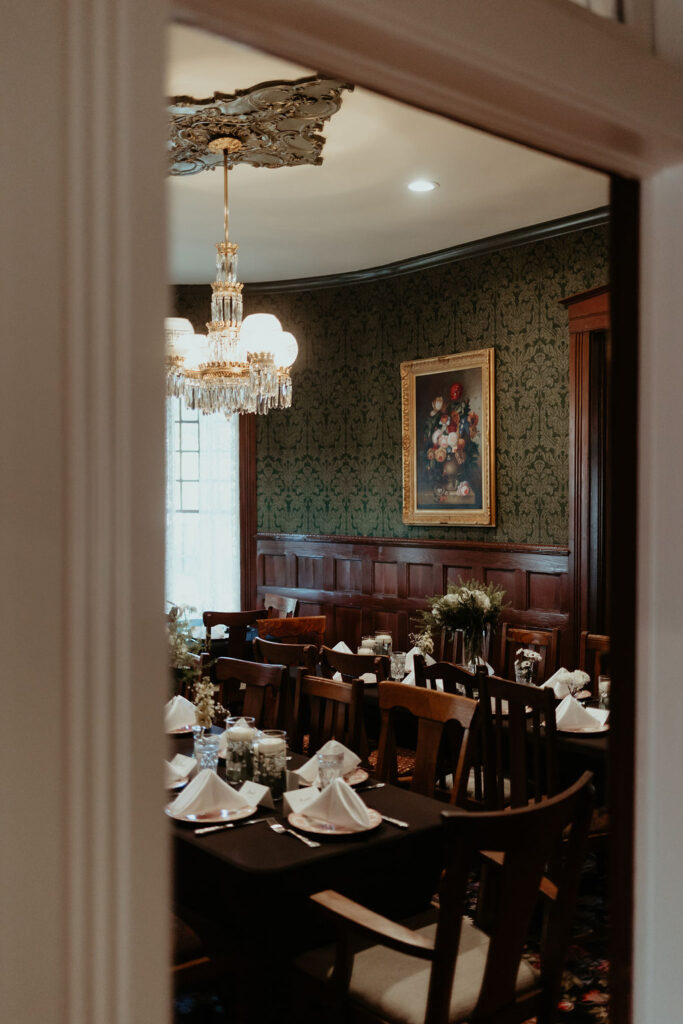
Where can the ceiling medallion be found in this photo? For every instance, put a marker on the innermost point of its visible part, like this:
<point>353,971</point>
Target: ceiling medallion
<point>277,124</point>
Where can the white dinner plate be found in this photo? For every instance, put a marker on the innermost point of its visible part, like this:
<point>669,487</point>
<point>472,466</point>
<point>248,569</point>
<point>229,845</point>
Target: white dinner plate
<point>353,778</point>
<point>212,817</point>
<point>599,716</point>
<point>179,785</point>
<point>306,824</point>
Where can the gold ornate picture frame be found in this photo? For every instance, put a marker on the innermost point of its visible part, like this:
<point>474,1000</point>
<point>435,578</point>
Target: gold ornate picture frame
<point>449,451</point>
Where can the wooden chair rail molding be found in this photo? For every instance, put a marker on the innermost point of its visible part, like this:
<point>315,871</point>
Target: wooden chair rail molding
<point>366,583</point>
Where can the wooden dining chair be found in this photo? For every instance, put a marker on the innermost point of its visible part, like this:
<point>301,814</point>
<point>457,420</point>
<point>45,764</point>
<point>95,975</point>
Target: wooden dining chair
<point>594,652</point>
<point>519,742</point>
<point>277,606</point>
<point>333,709</point>
<point>544,641</point>
<point>234,645</point>
<point>299,660</point>
<point>307,629</point>
<point>455,678</point>
<point>259,687</point>
<point>352,666</point>
<point>440,968</point>
<point>447,724</point>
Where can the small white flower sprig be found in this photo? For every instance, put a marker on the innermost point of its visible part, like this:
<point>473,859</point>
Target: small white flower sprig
<point>207,708</point>
<point>524,657</point>
<point>423,641</point>
<point>470,606</point>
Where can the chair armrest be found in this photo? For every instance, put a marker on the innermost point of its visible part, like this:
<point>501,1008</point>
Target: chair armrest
<point>546,887</point>
<point>353,915</point>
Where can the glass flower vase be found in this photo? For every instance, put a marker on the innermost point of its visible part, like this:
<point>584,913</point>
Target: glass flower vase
<point>473,644</point>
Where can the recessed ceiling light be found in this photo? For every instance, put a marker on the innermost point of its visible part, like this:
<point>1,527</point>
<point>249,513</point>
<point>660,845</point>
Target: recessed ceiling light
<point>422,185</point>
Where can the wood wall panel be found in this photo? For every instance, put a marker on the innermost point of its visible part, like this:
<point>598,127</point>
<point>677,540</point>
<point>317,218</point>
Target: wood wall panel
<point>363,584</point>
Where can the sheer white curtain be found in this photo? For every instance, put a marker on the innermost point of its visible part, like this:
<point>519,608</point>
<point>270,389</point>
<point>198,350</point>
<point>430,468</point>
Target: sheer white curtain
<point>202,518</point>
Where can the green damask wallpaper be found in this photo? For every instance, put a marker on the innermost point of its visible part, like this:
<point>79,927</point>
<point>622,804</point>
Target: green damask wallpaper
<point>332,463</point>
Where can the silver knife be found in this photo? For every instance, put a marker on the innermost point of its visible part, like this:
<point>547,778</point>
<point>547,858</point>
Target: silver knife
<point>231,824</point>
<point>395,821</point>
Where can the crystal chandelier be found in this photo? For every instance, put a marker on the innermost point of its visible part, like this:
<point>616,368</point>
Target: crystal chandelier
<point>241,366</point>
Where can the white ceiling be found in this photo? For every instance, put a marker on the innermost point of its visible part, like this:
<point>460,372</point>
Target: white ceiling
<point>354,211</point>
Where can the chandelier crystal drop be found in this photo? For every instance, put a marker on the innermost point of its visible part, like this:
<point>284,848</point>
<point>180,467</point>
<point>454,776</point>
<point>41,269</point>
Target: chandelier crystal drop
<point>241,366</point>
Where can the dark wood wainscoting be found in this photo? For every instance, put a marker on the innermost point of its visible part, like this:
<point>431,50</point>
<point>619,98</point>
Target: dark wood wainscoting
<point>364,583</point>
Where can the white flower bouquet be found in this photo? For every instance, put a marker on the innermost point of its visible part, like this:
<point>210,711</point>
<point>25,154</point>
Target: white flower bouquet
<point>471,606</point>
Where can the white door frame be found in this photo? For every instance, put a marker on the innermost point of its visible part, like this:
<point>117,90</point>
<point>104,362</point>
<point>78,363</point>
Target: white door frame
<point>83,862</point>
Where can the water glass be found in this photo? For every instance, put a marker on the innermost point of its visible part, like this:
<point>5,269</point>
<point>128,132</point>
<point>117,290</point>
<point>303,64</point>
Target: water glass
<point>206,748</point>
<point>330,767</point>
<point>270,760</point>
<point>239,736</point>
<point>398,665</point>
<point>603,691</point>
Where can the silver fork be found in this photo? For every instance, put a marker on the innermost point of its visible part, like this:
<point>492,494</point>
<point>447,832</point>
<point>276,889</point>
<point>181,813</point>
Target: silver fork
<point>281,830</point>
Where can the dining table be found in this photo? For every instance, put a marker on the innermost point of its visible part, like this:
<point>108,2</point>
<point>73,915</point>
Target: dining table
<point>245,878</point>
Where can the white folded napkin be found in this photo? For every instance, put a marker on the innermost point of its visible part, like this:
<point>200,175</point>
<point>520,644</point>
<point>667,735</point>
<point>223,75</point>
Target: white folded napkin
<point>571,716</point>
<point>410,677</point>
<point>178,769</point>
<point>559,682</point>
<point>309,771</point>
<point>369,678</point>
<point>223,743</point>
<point>339,805</point>
<point>179,712</point>
<point>207,794</point>
<point>342,648</point>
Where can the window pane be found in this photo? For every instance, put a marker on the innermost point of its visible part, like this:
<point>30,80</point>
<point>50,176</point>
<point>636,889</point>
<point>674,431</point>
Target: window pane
<point>189,466</point>
<point>190,497</point>
<point>189,437</point>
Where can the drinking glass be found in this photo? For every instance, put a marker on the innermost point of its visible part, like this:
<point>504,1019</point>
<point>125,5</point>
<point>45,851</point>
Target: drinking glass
<point>206,748</point>
<point>239,737</point>
<point>330,767</point>
<point>270,760</point>
<point>398,665</point>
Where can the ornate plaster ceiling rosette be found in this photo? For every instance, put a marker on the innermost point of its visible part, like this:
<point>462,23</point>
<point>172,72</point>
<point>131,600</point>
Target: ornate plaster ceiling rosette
<point>278,124</point>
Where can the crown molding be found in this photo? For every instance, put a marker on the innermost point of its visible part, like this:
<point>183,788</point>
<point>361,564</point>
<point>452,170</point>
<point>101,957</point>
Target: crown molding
<point>494,243</point>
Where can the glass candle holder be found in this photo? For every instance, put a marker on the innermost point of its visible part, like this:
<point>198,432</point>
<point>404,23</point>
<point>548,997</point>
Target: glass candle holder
<point>603,691</point>
<point>239,761</point>
<point>369,643</point>
<point>270,760</point>
<point>383,642</point>
<point>525,672</point>
<point>206,748</point>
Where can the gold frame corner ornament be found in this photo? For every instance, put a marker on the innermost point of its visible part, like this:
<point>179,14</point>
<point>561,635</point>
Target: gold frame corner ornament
<point>484,359</point>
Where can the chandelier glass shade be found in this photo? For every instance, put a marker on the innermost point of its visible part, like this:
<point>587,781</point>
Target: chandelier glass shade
<point>240,366</point>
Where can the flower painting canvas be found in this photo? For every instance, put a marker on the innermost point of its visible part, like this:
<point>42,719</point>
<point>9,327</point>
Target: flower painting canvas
<point>448,440</point>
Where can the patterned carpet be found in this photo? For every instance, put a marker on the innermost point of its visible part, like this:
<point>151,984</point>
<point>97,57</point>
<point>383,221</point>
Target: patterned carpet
<point>584,997</point>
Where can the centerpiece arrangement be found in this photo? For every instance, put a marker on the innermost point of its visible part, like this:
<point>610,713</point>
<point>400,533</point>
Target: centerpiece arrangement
<point>181,646</point>
<point>526,665</point>
<point>206,743</point>
<point>471,606</point>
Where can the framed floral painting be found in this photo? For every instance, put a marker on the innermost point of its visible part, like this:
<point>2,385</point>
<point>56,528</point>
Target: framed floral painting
<point>448,408</point>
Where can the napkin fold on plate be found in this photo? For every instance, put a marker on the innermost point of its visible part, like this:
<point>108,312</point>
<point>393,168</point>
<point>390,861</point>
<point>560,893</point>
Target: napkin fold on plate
<point>342,648</point>
<point>559,682</point>
<point>207,794</point>
<point>309,771</point>
<point>571,716</point>
<point>178,713</point>
<point>339,805</point>
<point>178,769</point>
<point>369,678</point>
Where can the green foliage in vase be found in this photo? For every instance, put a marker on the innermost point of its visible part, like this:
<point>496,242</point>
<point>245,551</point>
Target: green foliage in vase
<point>470,606</point>
<point>181,647</point>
